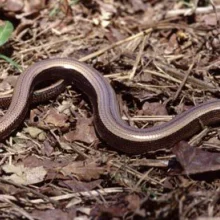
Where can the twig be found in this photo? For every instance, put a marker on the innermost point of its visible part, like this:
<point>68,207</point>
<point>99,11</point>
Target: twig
<point>144,176</point>
<point>165,76</point>
<point>133,172</point>
<point>44,198</point>
<point>199,10</point>
<point>184,81</point>
<point>84,194</point>
<point>103,50</point>
<point>215,10</point>
<point>133,71</point>
<point>20,210</point>
<point>180,75</point>
<point>149,162</point>
<point>67,147</point>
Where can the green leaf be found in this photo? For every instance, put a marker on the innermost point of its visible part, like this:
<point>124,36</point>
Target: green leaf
<point>5,32</point>
<point>13,63</point>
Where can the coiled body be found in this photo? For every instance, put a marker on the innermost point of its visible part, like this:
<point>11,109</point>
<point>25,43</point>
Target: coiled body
<point>107,120</point>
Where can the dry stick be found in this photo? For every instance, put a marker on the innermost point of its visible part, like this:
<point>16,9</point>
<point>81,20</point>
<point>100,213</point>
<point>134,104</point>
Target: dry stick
<point>184,81</point>
<point>195,140</point>
<point>118,43</point>
<point>215,11</point>
<point>84,194</point>
<point>103,50</point>
<point>20,210</point>
<point>194,7</point>
<point>51,44</point>
<point>148,162</point>
<point>61,144</point>
<point>42,196</point>
<point>6,198</point>
<point>132,172</point>
<point>198,10</point>
<point>180,75</point>
<point>144,177</point>
<point>165,76</point>
<point>133,71</point>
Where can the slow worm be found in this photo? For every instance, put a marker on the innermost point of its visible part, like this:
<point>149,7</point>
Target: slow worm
<point>40,95</point>
<point>107,120</point>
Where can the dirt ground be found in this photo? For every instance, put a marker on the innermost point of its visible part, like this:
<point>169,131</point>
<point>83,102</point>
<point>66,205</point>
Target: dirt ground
<point>161,58</point>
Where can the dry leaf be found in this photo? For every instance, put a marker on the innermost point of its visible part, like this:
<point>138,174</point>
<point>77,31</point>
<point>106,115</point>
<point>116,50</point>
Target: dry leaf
<point>194,160</point>
<point>134,201</point>
<point>78,186</point>
<point>54,214</point>
<point>14,5</point>
<point>4,86</point>
<point>24,175</point>
<point>84,132</point>
<point>56,119</point>
<point>34,6</point>
<point>154,108</point>
<point>33,161</point>
<point>84,170</point>
<point>138,5</point>
<point>47,148</point>
<point>52,119</point>
<point>35,133</point>
<point>114,210</point>
<point>209,19</point>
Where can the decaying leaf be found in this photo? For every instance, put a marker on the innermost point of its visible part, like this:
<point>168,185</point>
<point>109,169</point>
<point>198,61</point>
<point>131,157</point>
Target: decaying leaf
<point>154,108</point>
<point>51,119</point>
<point>54,214</point>
<point>194,160</point>
<point>134,201</point>
<point>5,87</point>
<point>84,131</point>
<point>24,175</point>
<point>84,170</point>
<point>35,132</point>
<point>14,5</point>
<point>79,186</point>
<point>33,162</point>
<point>56,119</point>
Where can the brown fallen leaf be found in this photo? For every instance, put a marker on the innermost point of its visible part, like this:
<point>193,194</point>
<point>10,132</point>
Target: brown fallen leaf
<point>52,119</point>
<point>9,189</point>
<point>35,133</point>
<point>47,148</point>
<point>24,175</point>
<point>209,19</point>
<point>194,160</point>
<point>21,9</point>
<point>56,119</point>
<point>34,5</point>
<point>11,80</point>
<point>33,161</point>
<point>84,132</point>
<point>4,86</point>
<point>84,170</point>
<point>138,5</point>
<point>13,5</point>
<point>79,186</point>
<point>54,214</point>
<point>109,212</point>
<point>114,35</point>
<point>154,108</point>
<point>173,45</point>
<point>134,201</point>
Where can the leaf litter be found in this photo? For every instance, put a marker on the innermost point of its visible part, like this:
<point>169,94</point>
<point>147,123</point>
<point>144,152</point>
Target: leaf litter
<point>162,58</point>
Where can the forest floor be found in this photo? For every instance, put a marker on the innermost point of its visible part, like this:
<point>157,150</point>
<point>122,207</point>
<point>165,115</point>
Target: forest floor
<point>161,58</point>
